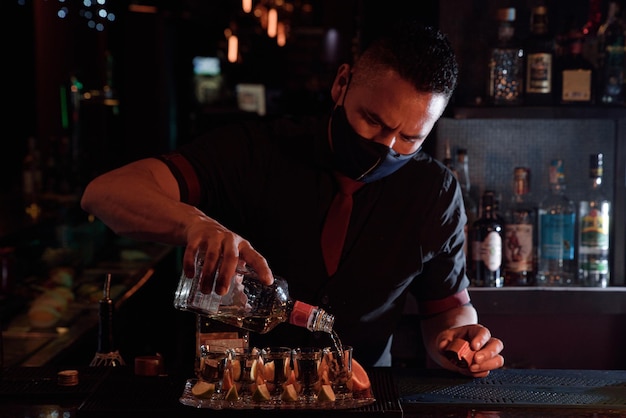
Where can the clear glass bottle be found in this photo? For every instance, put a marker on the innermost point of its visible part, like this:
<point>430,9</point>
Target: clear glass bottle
<point>486,241</point>
<point>251,305</point>
<point>519,233</point>
<point>506,63</point>
<point>612,45</point>
<point>539,50</point>
<point>557,220</point>
<point>595,217</point>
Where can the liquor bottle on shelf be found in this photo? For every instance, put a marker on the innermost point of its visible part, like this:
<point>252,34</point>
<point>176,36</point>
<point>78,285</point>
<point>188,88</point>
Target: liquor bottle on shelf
<point>249,304</point>
<point>612,45</point>
<point>593,240</point>
<point>32,181</point>
<point>557,221</point>
<point>539,49</point>
<point>574,74</point>
<point>506,63</point>
<point>519,233</point>
<point>471,208</point>
<point>590,32</point>
<point>486,242</point>
<point>448,161</point>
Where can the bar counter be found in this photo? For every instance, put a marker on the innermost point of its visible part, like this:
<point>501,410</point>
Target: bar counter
<point>505,393</point>
<point>132,265</point>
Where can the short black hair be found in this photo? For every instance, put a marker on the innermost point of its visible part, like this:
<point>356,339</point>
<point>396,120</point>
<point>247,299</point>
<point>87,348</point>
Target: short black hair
<point>420,54</point>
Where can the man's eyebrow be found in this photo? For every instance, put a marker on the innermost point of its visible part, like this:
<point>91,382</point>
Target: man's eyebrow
<point>378,119</point>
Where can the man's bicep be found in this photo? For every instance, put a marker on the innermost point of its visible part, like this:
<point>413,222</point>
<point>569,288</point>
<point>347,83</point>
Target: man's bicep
<point>162,176</point>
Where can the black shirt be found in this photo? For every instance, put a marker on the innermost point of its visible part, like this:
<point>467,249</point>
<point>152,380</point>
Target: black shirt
<point>271,182</point>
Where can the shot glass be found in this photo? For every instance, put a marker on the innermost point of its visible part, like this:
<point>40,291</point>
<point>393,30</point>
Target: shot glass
<point>276,369</point>
<point>243,370</point>
<point>307,361</point>
<point>337,371</point>
<point>211,366</point>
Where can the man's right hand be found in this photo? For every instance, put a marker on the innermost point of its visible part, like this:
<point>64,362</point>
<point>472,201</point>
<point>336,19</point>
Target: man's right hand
<point>222,250</point>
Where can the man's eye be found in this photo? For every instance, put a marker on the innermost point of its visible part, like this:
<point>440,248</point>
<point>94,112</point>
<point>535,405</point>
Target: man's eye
<point>371,121</point>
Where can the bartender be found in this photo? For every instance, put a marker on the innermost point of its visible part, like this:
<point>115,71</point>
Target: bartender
<point>260,192</point>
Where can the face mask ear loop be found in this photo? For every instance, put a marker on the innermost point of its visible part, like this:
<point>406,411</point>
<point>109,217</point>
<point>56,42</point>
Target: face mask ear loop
<point>343,101</point>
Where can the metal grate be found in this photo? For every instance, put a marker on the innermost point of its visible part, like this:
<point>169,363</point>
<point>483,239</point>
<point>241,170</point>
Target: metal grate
<point>572,388</point>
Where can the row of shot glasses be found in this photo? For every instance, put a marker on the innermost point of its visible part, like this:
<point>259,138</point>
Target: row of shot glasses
<point>273,375</point>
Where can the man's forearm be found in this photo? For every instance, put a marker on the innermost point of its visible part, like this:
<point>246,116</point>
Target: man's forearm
<point>140,209</point>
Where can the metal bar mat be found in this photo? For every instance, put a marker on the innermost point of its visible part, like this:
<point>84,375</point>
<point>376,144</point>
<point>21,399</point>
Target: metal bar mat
<point>571,388</point>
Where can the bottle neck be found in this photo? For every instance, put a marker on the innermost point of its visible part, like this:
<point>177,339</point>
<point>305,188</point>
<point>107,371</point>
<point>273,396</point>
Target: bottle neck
<point>489,212</point>
<point>311,317</point>
<point>463,173</point>
<point>557,188</point>
<point>489,207</point>
<point>506,31</point>
<point>595,183</point>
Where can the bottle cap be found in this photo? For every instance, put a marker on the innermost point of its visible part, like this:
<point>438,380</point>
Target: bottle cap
<point>300,314</point>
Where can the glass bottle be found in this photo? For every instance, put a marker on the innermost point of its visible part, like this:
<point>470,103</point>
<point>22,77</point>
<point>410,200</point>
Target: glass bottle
<point>575,74</point>
<point>539,51</point>
<point>8,271</point>
<point>448,161</point>
<point>107,353</point>
<point>251,305</point>
<point>471,207</point>
<point>519,233</point>
<point>557,217</point>
<point>612,44</point>
<point>506,66</point>
<point>32,182</point>
<point>595,216</point>
<point>486,241</point>
<point>590,32</point>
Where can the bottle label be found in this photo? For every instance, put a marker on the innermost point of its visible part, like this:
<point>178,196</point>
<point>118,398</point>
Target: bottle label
<point>518,247</point>
<point>576,85</point>
<point>300,314</point>
<point>491,251</point>
<point>557,236</point>
<point>595,266</point>
<point>539,73</point>
<point>594,229</point>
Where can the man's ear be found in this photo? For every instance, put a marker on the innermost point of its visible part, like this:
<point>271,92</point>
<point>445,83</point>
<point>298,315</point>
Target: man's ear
<point>341,81</point>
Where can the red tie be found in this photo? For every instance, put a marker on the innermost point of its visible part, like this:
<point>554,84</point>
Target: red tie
<point>337,220</point>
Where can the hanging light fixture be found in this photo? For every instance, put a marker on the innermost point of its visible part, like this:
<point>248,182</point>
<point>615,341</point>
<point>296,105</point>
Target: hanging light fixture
<point>246,5</point>
<point>272,22</point>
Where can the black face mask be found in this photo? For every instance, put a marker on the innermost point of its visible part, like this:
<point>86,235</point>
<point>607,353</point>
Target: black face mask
<point>359,158</point>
